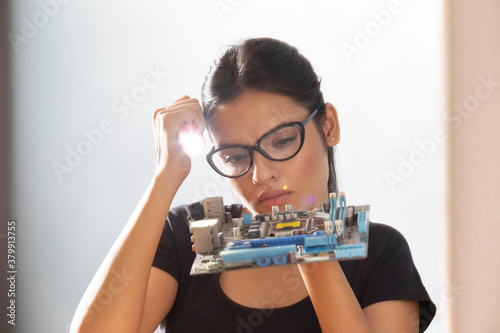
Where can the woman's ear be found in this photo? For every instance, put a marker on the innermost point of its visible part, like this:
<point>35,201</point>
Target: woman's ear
<point>331,125</point>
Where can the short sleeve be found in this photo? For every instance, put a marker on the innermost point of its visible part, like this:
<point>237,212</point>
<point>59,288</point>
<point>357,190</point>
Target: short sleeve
<point>392,275</point>
<point>167,257</point>
<point>174,254</point>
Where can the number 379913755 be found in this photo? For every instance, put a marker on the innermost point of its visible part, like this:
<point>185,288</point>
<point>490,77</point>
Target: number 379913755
<point>11,244</point>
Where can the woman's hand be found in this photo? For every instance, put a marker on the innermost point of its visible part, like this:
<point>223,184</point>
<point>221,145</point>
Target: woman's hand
<point>166,124</point>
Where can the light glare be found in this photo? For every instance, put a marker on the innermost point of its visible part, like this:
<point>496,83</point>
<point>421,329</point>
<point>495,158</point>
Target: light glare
<point>191,140</point>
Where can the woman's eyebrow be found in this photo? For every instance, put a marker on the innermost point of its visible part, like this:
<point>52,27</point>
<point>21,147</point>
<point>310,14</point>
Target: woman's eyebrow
<point>228,145</point>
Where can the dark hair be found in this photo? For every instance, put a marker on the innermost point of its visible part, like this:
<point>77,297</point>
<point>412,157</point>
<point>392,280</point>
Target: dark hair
<point>272,66</point>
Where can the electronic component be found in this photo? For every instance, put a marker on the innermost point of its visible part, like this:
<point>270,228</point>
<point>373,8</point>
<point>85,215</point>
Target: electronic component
<point>205,235</point>
<point>332,231</point>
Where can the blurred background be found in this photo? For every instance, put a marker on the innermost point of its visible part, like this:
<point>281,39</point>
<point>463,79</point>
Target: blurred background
<point>80,80</point>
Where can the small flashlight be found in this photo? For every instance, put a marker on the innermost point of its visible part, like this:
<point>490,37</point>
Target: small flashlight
<point>191,140</point>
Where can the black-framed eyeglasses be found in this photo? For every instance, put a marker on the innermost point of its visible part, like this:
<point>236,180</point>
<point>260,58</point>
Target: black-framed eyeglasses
<point>279,144</point>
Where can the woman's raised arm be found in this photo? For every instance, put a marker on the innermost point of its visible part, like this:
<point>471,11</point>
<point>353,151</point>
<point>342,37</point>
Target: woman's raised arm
<point>123,295</point>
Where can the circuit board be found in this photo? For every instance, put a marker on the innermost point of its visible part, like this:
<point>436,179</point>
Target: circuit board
<point>332,231</point>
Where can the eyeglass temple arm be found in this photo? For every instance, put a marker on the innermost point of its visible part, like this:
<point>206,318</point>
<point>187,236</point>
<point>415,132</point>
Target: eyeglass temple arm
<point>310,116</point>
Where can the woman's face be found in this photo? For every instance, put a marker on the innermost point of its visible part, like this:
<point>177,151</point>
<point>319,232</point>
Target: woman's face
<point>302,180</point>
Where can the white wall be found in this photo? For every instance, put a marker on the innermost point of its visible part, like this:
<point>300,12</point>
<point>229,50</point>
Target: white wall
<point>70,75</point>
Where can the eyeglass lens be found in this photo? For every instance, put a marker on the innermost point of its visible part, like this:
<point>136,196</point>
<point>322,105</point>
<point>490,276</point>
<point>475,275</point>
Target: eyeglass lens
<point>279,145</point>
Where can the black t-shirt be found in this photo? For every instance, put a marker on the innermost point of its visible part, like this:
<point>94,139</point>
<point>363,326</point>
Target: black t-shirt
<point>388,273</point>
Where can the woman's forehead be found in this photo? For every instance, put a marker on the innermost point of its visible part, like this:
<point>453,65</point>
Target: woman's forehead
<point>250,116</point>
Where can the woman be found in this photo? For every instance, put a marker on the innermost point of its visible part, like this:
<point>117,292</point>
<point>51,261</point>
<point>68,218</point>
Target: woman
<point>254,88</point>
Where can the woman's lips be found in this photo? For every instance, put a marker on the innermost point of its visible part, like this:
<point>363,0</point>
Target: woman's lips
<point>274,198</point>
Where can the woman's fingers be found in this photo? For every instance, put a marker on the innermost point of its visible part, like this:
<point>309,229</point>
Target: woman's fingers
<point>167,124</point>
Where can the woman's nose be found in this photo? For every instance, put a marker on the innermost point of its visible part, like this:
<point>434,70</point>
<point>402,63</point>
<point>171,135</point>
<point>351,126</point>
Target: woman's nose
<point>263,170</point>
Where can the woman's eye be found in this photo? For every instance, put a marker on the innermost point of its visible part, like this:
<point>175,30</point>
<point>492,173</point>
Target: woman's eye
<point>234,159</point>
<point>284,142</point>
